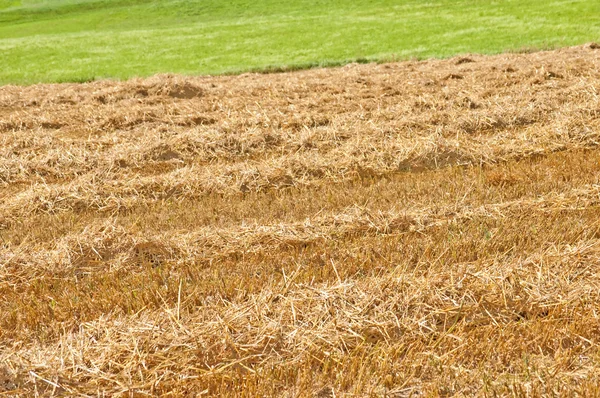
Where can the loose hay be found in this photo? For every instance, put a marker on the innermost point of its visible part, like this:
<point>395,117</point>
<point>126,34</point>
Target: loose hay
<point>417,228</point>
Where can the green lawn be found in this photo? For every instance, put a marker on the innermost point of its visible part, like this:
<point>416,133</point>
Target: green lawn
<point>76,40</point>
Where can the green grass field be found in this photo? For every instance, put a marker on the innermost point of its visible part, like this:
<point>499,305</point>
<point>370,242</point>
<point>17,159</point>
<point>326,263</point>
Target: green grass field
<point>78,40</point>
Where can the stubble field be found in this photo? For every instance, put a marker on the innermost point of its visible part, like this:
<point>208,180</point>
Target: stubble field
<point>418,228</point>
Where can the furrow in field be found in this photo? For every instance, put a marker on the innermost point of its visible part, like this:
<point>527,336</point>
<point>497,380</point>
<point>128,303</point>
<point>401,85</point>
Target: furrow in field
<point>111,247</point>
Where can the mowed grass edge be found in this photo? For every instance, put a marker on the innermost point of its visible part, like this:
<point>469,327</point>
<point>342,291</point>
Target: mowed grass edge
<point>74,41</point>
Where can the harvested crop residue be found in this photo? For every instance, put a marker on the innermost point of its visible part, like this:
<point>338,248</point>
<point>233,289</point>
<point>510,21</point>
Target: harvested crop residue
<point>409,228</point>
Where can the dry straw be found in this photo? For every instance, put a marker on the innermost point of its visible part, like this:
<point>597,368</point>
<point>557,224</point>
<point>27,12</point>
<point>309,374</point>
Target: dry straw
<point>418,228</point>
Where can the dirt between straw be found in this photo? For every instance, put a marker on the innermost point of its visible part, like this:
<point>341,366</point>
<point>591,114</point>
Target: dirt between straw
<point>427,228</point>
